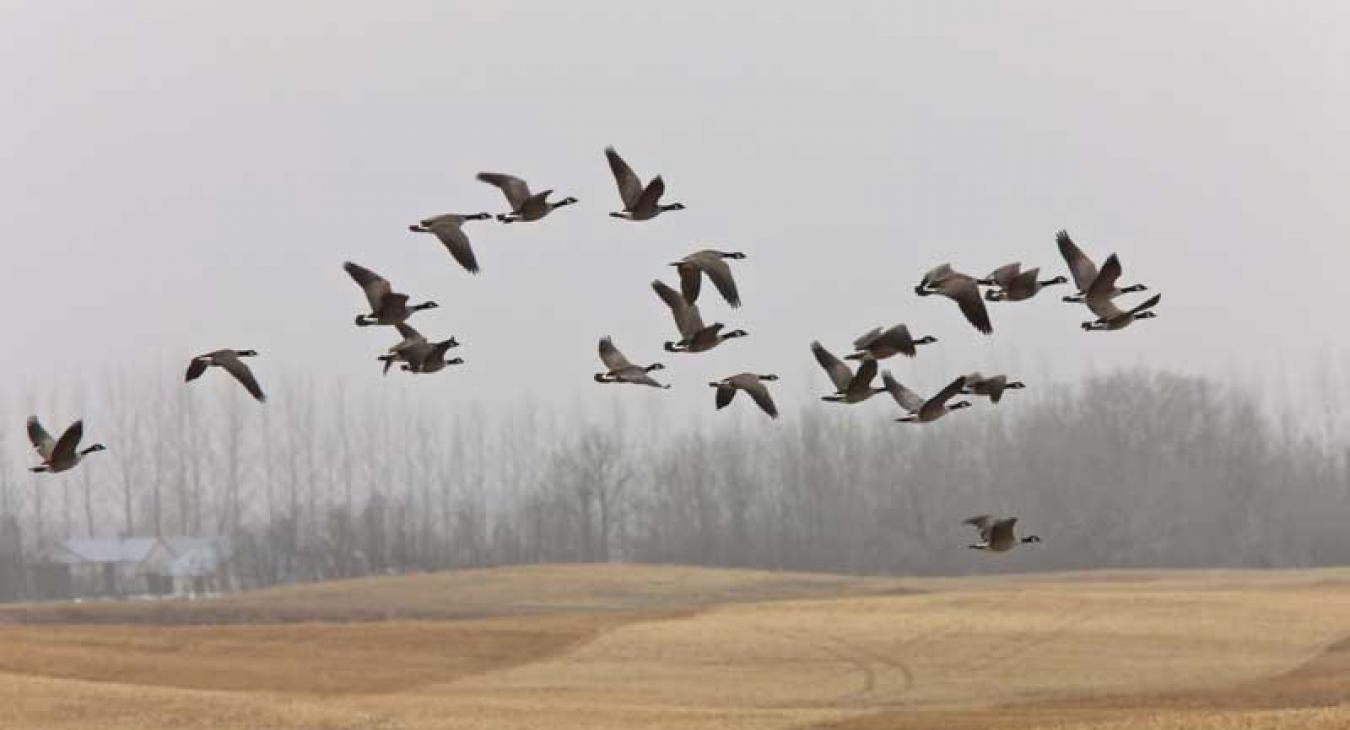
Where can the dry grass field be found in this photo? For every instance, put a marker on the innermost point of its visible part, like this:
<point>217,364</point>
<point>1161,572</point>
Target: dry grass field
<point>648,647</point>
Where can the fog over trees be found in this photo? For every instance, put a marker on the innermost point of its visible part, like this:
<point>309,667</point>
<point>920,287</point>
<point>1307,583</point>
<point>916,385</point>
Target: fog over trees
<point>1128,468</point>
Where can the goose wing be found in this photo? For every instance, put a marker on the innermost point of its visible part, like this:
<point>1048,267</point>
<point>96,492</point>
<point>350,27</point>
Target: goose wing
<point>953,388</point>
<point>899,338</point>
<point>196,366</point>
<point>725,392</point>
<point>515,189</point>
<point>688,320</point>
<point>1001,532</point>
<point>867,370</point>
<point>241,372</point>
<point>451,234</point>
<point>64,451</point>
<point>611,357</point>
<point>691,280</point>
<point>758,391</point>
<point>908,399</point>
<point>979,522</point>
<point>1080,266</point>
<point>1004,274</point>
<point>43,443</point>
<point>867,338</point>
<point>966,294</point>
<point>1150,303</point>
<point>651,195</point>
<point>717,269</point>
<point>936,275</point>
<point>630,185</point>
<point>1099,293</point>
<point>410,337</point>
<point>839,373</point>
<point>376,287</point>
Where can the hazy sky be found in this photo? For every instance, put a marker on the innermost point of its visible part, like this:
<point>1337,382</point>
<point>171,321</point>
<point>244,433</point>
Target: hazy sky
<point>177,179</point>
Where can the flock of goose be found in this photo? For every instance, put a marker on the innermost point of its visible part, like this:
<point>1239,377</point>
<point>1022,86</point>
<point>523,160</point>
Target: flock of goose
<point>415,353</point>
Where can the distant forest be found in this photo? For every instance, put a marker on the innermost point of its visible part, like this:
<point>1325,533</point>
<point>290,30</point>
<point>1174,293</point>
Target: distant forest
<point>1127,469</point>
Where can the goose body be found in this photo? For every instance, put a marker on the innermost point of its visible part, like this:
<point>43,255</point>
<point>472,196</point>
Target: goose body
<point>1084,271</point>
<point>753,385</point>
<point>849,387</point>
<point>231,362</point>
<point>1020,286</point>
<point>991,387</point>
<point>713,264</point>
<point>639,203</point>
<point>694,335</point>
<point>996,535</point>
<point>449,229</point>
<point>418,354</point>
<point>878,344</point>
<point>58,455</point>
<point>525,206</point>
<point>619,369</point>
<point>920,410</point>
<point>387,307</point>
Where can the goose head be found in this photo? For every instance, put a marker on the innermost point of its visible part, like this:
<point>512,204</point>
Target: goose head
<point>742,333</point>
<point>246,353</point>
<point>1146,315</point>
<point>447,344</point>
<point>1056,280</point>
<point>478,217</point>
<point>424,305</point>
<point>732,254</point>
<point>654,366</point>
<point>959,405</point>
<point>569,200</point>
<point>770,377</point>
<point>1031,539</point>
<point>673,206</point>
<point>1090,326</point>
<point>1015,385</point>
<point>1073,298</point>
<point>92,449</point>
<point>1134,288</point>
<point>926,340</point>
<point>603,378</point>
<point>675,347</point>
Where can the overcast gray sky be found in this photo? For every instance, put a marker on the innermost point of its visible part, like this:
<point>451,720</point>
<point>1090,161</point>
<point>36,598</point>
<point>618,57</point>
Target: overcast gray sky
<point>177,179</point>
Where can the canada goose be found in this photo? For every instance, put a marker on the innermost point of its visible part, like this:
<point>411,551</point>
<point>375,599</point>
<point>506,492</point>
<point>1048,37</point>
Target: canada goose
<point>1003,275</point>
<point>962,289</point>
<point>639,204</point>
<point>920,410</point>
<point>524,205</point>
<point>449,228</point>
<point>694,336</point>
<point>849,387</point>
<point>1083,270</point>
<point>230,360</point>
<point>750,383</point>
<point>713,263</point>
<point>996,535</point>
<point>58,456</point>
<point>1100,294</point>
<point>619,369</point>
<point>991,388</point>
<point>418,354</point>
<point>877,344</point>
<point>1021,286</point>
<point>386,305</point>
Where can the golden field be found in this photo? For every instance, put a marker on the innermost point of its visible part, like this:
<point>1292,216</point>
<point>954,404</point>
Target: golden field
<point>617,646</point>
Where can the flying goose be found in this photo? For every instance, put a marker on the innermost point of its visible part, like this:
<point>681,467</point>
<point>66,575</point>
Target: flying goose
<point>996,535</point>
<point>750,383</point>
<point>1021,286</point>
<point>849,387</point>
<point>920,410</point>
<point>639,203</point>
<point>960,288</point>
<point>386,305</point>
<point>231,362</point>
<point>1084,271</point>
<point>694,336</point>
<point>1099,300</point>
<point>877,344</point>
<point>619,369</point>
<point>418,354</point>
<point>1003,275</point>
<point>713,263</point>
<point>524,205</point>
<point>449,228</point>
<point>58,456</point>
<point>992,388</point>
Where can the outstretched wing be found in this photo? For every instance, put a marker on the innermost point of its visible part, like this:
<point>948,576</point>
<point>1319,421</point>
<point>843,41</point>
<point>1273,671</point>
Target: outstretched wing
<point>1001,532</point>
<point>867,370</point>
<point>867,338</point>
<point>1080,266</point>
<point>515,189</point>
<point>196,366</point>
<point>953,388</point>
<point>376,287</point>
<point>688,320</point>
<point>979,522</point>
<point>43,443</point>
<point>691,281</point>
<point>70,440</point>
<point>839,373</point>
<point>1103,288</point>
<point>899,338</point>
<point>651,195</point>
<point>1149,304</point>
<point>967,296</point>
<point>719,271</point>
<point>724,395</point>
<point>630,185</point>
<point>1003,275</point>
<point>908,399</point>
<point>452,236</point>
<point>243,374</point>
<point>760,393</point>
<point>611,357</point>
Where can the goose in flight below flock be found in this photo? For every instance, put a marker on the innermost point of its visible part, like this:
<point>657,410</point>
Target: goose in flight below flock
<point>386,306</point>
<point>877,344</point>
<point>712,263</point>
<point>449,228</point>
<point>849,387</point>
<point>960,288</point>
<point>231,362</point>
<point>753,385</point>
<point>639,203</point>
<point>619,369</point>
<point>525,206</point>
<point>58,456</point>
<point>418,354</point>
<point>1084,271</point>
<point>925,411</point>
<point>992,387</point>
<point>996,535</point>
<point>1099,300</point>
<point>694,336</point>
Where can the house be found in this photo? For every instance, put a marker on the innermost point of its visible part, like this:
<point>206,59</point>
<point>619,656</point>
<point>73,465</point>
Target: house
<point>155,566</point>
